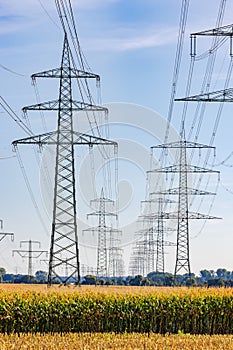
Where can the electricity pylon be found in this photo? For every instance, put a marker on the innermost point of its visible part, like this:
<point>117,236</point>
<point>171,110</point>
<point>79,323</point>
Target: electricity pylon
<point>225,95</point>
<point>156,229</point>
<point>183,169</point>
<point>29,253</point>
<point>115,261</point>
<point>102,230</point>
<point>64,249</point>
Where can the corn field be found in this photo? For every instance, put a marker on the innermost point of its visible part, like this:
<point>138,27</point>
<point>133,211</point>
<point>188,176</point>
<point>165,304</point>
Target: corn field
<point>98,341</point>
<point>118,310</point>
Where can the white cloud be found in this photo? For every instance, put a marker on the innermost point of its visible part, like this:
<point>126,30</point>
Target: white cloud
<point>133,41</point>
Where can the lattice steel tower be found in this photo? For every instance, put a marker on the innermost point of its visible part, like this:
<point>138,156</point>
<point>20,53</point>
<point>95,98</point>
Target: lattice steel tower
<point>64,251</point>
<point>115,261</point>
<point>29,253</point>
<point>225,95</point>
<point>183,215</point>
<point>102,230</point>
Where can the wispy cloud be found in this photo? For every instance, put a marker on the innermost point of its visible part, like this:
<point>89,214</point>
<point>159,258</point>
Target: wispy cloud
<point>133,41</point>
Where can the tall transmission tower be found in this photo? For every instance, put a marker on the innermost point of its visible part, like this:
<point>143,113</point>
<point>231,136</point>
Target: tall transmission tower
<point>102,230</point>
<point>137,264</point>
<point>115,262</point>
<point>156,230</point>
<point>29,253</point>
<point>64,249</point>
<point>148,253</point>
<point>183,215</point>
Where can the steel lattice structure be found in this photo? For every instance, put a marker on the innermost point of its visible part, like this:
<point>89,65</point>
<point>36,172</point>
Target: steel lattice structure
<point>64,251</point>
<point>115,262</point>
<point>149,248</point>
<point>103,230</point>
<point>155,231</point>
<point>183,215</point>
<point>29,253</point>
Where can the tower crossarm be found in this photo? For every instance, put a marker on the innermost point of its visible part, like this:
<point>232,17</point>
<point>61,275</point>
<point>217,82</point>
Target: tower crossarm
<point>98,213</point>
<point>199,216</point>
<point>53,105</point>
<point>156,200</point>
<point>4,234</point>
<point>105,200</point>
<point>162,215</point>
<point>188,169</point>
<point>84,139</point>
<point>96,228</point>
<point>190,191</point>
<point>220,31</point>
<point>175,215</point>
<point>50,138</point>
<point>36,253</point>
<point>225,95</point>
<point>182,144</point>
<point>72,73</point>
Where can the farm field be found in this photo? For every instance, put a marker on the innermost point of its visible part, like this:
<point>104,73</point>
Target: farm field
<point>99,341</point>
<point>149,310</point>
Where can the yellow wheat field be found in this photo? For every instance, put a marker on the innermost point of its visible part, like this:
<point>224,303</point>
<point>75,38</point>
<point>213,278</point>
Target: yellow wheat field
<point>99,341</point>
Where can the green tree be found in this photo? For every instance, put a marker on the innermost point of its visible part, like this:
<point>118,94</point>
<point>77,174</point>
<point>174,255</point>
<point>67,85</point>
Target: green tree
<point>206,274</point>
<point>41,276</point>
<point>221,273</point>
<point>90,279</point>
<point>190,282</point>
<point>216,282</point>
<point>2,272</point>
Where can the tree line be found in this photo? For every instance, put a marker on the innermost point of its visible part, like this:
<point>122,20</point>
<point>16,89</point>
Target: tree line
<point>209,278</point>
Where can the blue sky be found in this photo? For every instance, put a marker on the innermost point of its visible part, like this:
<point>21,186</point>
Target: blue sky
<point>131,44</point>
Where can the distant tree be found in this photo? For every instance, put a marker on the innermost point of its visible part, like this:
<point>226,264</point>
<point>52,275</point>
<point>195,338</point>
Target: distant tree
<point>89,279</point>
<point>120,281</point>
<point>169,279</point>
<point>136,281</point>
<point>179,280</point>
<point>110,282</point>
<point>221,273</point>
<point>145,282</point>
<point>2,272</point>
<point>206,274</point>
<point>41,276</point>
<point>215,282</point>
<point>190,282</point>
<point>101,281</point>
<point>25,279</point>
<point>228,275</point>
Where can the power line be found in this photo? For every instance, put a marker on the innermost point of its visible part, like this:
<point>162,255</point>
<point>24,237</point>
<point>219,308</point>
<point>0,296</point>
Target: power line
<point>11,71</point>
<point>48,14</point>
